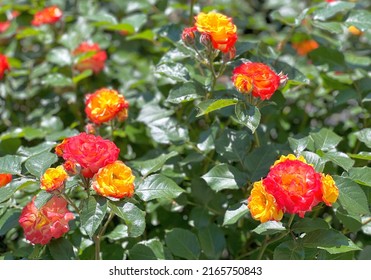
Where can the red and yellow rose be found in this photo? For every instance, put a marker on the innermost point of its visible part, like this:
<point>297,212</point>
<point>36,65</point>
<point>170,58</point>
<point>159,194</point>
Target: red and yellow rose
<point>53,179</point>
<point>48,15</point>
<point>50,221</point>
<point>95,60</point>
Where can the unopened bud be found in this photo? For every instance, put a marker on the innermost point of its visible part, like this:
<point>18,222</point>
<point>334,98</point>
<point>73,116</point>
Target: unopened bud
<point>188,36</point>
<point>228,56</point>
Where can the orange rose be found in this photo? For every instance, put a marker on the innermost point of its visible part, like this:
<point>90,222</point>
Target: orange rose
<point>5,179</point>
<point>50,221</point>
<point>304,47</point>
<point>104,105</point>
<point>262,205</point>
<point>95,60</point>
<point>330,192</point>
<point>48,15</point>
<point>258,79</point>
<point>53,179</point>
<point>4,65</point>
<point>114,180</point>
<point>220,28</point>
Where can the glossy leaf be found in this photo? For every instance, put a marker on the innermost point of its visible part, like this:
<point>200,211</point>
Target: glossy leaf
<point>183,244</point>
<point>37,164</point>
<point>61,249</point>
<point>249,116</point>
<point>185,92</point>
<point>340,159</point>
<point>150,166</point>
<point>212,241</point>
<point>92,214</point>
<point>270,227</point>
<point>11,164</point>
<point>325,139</point>
<point>232,215</point>
<point>361,175</point>
<point>209,106</point>
<point>289,250</point>
<point>364,136</point>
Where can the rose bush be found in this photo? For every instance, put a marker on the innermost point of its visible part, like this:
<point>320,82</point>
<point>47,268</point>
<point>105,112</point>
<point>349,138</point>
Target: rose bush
<point>160,130</point>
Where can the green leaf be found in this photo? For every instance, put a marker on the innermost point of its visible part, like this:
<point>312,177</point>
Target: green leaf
<point>361,175</point>
<point>360,18</point>
<point>366,253</point>
<point>42,198</point>
<point>147,167</point>
<point>259,161</point>
<point>351,196</point>
<point>289,250</point>
<point>233,145</point>
<point>141,252</point>
<point>147,250</point>
<point>87,73</point>
<point>325,139</point>
<point>135,20</point>
<point>364,136</point>
<point>212,241</point>
<point>316,160</point>
<point>212,105</point>
<point>9,220</point>
<point>27,32</point>
<point>37,164</point>
<point>59,56</point>
<point>340,159</point>
<point>158,186</point>
<point>183,243</point>
<point>298,145</point>
<point>61,249</point>
<point>134,217</point>
<point>330,240</point>
<point>332,27</point>
<point>309,224</point>
<point>151,113</point>
<point>248,115</point>
<point>361,155</point>
<point>11,164</point>
<point>233,214</point>
<point>119,232</point>
<point>8,190</point>
<point>168,130</point>
<point>175,71</point>
<point>224,176</point>
<point>268,228</point>
<point>185,92</point>
<point>38,149</point>
<point>148,35</point>
<point>330,9</point>
<point>57,80</point>
<point>92,214</point>
<point>334,59</point>
<point>351,222</point>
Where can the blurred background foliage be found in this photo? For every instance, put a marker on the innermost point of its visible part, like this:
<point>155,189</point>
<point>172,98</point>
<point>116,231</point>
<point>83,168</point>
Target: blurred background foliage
<point>204,166</point>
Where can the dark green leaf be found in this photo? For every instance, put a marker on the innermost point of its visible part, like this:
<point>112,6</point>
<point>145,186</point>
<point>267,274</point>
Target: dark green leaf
<point>185,92</point>
<point>334,59</point>
<point>289,250</point>
<point>37,164</point>
<point>224,176</point>
<point>259,162</point>
<point>365,253</point>
<point>8,190</point>
<point>57,80</point>
<point>119,232</point>
<point>361,175</point>
<point>360,18</point>
<point>42,198</point>
<point>134,217</point>
<point>92,214</point>
<point>233,145</point>
<point>325,139</point>
<point>168,130</point>
<point>298,145</point>
<point>269,228</point>
<point>212,241</point>
<point>330,9</point>
<point>351,222</point>
<point>340,159</point>
<point>330,240</point>
<point>309,225</point>
<point>9,220</point>
<point>150,113</point>
<point>59,56</point>
<point>248,115</point>
<point>158,186</point>
<point>351,196</point>
<point>38,149</point>
<point>364,136</point>
<point>147,167</point>
<point>316,160</point>
<point>232,215</point>
<point>183,243</point>
<point>212,105</point>
<point>11,164</point>
<point>332,27</point>
<point>61,249</point>
<point>148,250</point>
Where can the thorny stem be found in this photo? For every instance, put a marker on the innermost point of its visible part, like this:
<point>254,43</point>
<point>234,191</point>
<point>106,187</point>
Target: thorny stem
<point>268,241</point>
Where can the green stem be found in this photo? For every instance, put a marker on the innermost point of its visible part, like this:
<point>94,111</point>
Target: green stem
<point>69,200</point>
<point>191,12</point>
<point>257,140</point>
<point>97,238</point>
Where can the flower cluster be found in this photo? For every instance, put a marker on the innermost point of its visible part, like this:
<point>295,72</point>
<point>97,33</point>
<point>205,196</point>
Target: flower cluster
<point>215,28</point>
<point>50,221</point>
<point>4,65</point>
<point>5,179</point>
<point>90,57</point>
<point>291,186</point>
<point>105,105</point>
<point>48,15</point>
<point>258,79</point>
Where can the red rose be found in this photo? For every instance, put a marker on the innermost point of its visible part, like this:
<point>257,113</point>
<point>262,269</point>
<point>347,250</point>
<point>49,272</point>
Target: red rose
<point>48,15</point>
<point>4,65</point>
<point>89,151</point>
<point>95,60</point>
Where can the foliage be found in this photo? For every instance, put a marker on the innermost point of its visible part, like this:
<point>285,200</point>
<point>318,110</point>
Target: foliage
<point>195,144</point>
